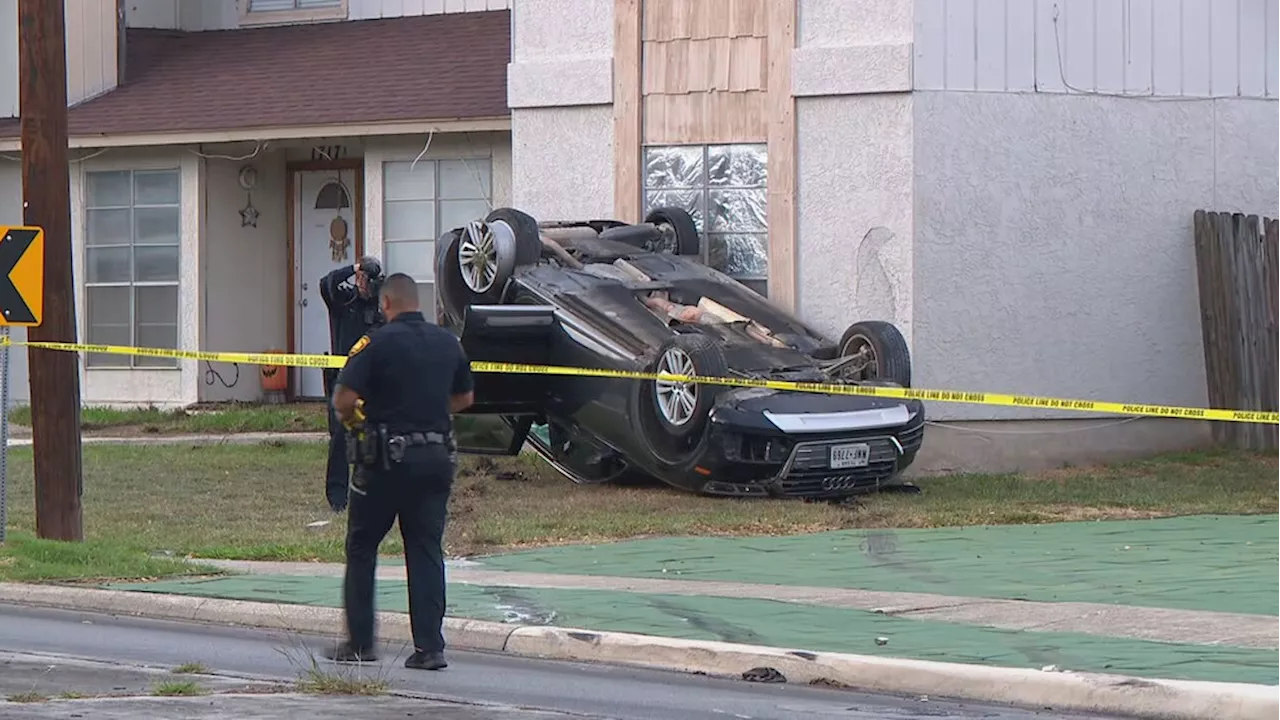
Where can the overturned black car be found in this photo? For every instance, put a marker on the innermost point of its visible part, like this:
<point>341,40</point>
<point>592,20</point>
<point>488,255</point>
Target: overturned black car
<point>612,295</point>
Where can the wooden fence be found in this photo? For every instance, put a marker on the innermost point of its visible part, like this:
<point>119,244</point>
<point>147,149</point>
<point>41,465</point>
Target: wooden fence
<point>1236,265</point>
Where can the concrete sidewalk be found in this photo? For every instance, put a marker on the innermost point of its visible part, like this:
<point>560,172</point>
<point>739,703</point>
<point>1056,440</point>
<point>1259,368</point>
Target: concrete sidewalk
<point>1179,598</point>
<point>252,438</point>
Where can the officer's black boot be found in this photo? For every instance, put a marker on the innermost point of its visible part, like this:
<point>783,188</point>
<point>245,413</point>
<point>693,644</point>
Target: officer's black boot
<point>426,661</point>
<point>346,652</point>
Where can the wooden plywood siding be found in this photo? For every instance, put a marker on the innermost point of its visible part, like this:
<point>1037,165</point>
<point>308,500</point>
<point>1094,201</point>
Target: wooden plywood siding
<point>705,71</point>
<point>92,31</point>
<point>1173,48</point>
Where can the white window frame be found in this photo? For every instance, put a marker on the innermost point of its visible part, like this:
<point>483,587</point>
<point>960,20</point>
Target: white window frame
<point>95,361</point>
<point>250,16</point>
<point>758,284</point>
<point>474,165</point>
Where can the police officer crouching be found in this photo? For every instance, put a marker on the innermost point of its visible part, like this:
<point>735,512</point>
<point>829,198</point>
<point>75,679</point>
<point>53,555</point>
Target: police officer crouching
<point>396,394</point>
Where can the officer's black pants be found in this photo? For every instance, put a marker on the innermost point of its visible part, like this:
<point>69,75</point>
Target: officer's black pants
<point>417,492</point>
<point>337,471</point>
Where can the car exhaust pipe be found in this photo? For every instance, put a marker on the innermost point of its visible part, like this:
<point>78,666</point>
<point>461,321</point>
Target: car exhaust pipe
<point>559,251</point>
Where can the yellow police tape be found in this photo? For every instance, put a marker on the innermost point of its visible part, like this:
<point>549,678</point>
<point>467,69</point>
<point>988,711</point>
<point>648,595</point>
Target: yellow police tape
<point>955,396</point>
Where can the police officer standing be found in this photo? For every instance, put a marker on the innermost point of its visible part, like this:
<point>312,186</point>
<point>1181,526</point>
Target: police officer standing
<point>397,392</point>
<point>353,312</point>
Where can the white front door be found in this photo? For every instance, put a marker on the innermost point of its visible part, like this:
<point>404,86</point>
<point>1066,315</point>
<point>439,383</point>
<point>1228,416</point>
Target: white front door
<point>324,239</point>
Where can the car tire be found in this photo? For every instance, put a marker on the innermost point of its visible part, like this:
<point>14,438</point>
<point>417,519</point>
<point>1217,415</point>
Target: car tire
<point>891,357</point>
<point>450,300</point>
<point>486,255</point>
<point>682,409</point>
<point>643,237</point>
<point>528,250</point>
<point>688,241</point>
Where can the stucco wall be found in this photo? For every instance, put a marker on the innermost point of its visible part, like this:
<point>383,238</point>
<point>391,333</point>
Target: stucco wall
<point>560,89</point>
<point>854,163</point>
<point>1053,240</point>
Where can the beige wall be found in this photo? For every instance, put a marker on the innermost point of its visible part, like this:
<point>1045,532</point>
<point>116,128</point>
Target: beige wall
<point>245,269</point>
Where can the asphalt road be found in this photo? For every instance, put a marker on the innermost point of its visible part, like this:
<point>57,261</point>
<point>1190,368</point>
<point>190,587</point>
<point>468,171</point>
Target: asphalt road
<point>525,686</point>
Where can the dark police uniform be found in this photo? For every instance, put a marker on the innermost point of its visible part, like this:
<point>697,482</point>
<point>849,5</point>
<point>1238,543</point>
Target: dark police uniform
<point>405,373</point>
<point>350,318</point>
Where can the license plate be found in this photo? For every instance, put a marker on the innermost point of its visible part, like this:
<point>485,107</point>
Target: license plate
<point>850,456</point>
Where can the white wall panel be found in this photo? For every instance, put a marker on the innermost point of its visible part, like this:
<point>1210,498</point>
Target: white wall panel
<point>91,30</point>
<point>990,35</point>
<point>1140,36</point>
<point>1190,48</point>
<point>1166,47</point>
<point>1020,46</point>
<point>960,44</point>
<point>1253,40</point>
<point>1273,49</point>
<point>9,58</point>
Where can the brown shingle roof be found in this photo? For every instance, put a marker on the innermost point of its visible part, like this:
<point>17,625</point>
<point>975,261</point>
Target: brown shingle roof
<point>433,67</point>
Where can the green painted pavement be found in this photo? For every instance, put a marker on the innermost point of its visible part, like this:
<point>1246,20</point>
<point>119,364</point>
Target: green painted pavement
<point>777,624</point>
<point>1223,563</point>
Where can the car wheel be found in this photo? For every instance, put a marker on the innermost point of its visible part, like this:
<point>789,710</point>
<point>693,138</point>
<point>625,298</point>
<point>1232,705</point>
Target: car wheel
<point>488,252</point>
<point>885,352</point>
<point>682,407</point>
<point>678,227</point>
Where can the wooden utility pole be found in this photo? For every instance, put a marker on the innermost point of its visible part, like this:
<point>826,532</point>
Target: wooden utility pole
<point>46,195</point>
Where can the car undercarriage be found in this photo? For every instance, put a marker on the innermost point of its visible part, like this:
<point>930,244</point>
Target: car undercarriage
<point>606,295</point>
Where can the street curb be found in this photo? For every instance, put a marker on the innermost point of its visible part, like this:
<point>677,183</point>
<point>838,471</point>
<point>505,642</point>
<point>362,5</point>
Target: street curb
<point>1070,692</point>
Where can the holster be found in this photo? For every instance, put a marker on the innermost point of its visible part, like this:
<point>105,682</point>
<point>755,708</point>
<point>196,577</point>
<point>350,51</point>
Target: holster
<point>364,446</point>
<point>396,445</point>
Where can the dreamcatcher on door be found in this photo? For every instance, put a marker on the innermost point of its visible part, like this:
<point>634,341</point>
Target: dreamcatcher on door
<point>334,196</point>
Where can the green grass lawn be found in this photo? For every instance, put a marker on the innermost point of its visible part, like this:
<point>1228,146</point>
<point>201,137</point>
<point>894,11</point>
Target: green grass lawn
<point>210,418</point>
<point>261,502</point>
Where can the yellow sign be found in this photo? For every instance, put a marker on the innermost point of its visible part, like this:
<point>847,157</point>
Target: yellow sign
<point>954,396</point>
<point>22,276</point>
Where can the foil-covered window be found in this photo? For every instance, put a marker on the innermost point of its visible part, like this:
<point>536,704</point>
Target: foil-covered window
<point>724,188</point>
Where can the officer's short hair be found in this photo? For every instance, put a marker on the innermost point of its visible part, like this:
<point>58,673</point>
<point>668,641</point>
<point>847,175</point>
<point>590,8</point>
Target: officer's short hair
<point>401,290</point>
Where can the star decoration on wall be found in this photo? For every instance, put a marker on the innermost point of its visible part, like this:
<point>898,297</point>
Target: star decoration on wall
<point>249,216</point>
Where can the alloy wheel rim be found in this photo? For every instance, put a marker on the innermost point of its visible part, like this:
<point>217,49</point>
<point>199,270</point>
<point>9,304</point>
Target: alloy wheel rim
<point>478,257</point>
<point>676,399</point>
